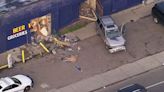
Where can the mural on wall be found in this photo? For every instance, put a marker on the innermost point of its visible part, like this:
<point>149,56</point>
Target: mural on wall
<point>41,27</point>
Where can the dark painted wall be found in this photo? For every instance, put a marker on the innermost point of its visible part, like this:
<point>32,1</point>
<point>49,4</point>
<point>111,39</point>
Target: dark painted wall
<point>113,6</point>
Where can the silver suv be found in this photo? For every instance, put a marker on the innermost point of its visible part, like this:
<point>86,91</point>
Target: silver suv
<point>111,34</point>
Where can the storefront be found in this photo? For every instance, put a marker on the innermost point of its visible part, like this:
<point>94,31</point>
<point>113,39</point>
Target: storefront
<point>22,20</point>
<point>107,7</point>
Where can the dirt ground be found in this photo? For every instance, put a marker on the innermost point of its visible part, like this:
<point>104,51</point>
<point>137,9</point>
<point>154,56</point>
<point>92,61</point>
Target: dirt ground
<point>144,38</point>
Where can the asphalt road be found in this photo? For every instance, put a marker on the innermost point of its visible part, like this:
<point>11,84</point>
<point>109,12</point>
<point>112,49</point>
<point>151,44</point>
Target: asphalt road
<point>152,80</point>
<point>158,88</point>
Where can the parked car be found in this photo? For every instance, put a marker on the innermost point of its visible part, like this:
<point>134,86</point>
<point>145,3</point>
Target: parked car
<point>133,88</point>
<point>158,12</point>
<point>17,83</point>
<point>112,36</point>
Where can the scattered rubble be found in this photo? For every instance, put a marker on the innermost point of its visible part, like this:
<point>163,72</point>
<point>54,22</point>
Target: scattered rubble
<point>65,48</point>
<point>86,10</point>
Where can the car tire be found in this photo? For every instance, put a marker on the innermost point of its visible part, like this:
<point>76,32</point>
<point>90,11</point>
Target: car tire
<point>155,20</point>
<point>107,47</point>
<point>27,89</point>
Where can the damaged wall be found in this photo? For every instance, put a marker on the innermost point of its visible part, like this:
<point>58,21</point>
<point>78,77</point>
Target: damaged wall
<point>92,3</point>
<point>17,20</point>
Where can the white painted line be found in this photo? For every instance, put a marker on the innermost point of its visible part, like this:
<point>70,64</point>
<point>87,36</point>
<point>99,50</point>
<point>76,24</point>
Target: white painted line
<point>156,84</point>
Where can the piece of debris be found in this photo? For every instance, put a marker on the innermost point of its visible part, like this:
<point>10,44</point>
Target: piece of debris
<point>61,43</point>
<point>78,48</point>
<point>54,51</point>
<point>71,58</point>
<point>44,85</point>
<point>78,68</point>
<point>70,49</point>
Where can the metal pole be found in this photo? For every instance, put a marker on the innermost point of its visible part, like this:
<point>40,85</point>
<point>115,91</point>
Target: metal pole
<point>23,56</point>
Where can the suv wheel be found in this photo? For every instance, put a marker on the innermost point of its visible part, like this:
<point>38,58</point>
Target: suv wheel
<point>155,20</point>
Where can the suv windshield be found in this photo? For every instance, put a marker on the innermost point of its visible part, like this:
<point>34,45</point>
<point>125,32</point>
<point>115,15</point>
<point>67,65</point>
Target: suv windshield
<point>113,33</point>
<point>110,26</point>
<point>16,80</point>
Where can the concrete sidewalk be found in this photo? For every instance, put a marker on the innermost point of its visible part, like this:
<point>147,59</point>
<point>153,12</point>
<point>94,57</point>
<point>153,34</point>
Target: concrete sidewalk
<point>133,14</point>
<point>85,32</point>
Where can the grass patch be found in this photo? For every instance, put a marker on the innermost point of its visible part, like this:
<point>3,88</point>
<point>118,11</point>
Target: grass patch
<point>73,28</point>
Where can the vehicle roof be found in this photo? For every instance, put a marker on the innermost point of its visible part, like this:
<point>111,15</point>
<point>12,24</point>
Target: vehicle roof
<point>160,6</point>
<point>107,20</point>
<point>4,82</point>
<point>131,88</point>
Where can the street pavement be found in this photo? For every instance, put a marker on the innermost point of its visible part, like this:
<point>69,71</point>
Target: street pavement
<point>152,80</point>
<point>158,88</point>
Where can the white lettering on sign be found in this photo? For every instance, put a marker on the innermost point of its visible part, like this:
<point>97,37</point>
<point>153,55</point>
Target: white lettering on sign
<point>17,35</point>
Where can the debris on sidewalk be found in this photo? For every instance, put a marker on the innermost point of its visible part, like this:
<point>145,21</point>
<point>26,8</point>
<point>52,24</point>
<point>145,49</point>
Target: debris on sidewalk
<point>64,48</point>
<point>61,43</point>
<point>54,52</point>
<point>44,85</point>
<point>71,58</point>
<point>78,48</point>
<point>78,68</point>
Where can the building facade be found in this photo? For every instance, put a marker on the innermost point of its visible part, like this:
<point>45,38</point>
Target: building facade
<point>21,20</point>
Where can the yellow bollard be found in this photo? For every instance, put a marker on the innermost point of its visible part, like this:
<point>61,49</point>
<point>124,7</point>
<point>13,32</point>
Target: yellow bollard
<point>44,47</point>
<point>23,56</point>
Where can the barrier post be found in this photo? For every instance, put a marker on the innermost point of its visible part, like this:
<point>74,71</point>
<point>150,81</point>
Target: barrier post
<point>44,47</point>
<point>23,56</point>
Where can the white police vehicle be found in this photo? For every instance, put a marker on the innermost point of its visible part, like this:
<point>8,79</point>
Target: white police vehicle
<point>17,83</point>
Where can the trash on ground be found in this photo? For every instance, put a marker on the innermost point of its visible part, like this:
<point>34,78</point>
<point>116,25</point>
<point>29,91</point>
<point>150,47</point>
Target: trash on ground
<point>64,47</point>
<point>78,68</point>
<point>71,58</point>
